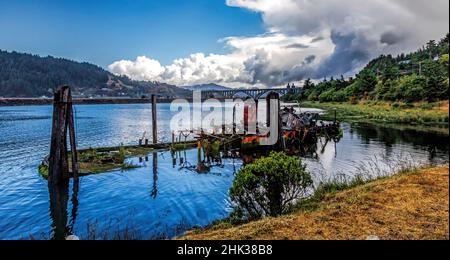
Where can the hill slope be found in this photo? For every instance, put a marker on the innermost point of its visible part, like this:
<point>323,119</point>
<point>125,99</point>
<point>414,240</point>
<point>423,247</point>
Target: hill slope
<point>206,87</point>
<point>26,75</point>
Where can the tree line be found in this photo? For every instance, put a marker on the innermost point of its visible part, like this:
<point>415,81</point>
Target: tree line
<point>26,75</point>
<point>422,75</point>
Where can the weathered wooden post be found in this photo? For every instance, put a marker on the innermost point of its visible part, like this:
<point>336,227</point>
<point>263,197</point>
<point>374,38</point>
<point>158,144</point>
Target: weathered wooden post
<point>234,119</point>
<point>154,120</point>
<point>58,172</point>
<point>224,130</point>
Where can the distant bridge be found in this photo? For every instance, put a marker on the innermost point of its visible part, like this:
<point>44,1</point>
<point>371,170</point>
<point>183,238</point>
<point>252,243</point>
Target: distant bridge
<point>253,93</point>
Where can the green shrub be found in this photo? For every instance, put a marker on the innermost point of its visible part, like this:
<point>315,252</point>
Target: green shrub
<point>340,96</point>
<point>327,96</point>
<point>384,90</point>
<point>353,100</point>
<point>410,88</point>
<point>427,106</point>
<point>313,96</point>
<point>401,105</point>
<point>270,186</point>
<point>122,151</point>
<point>120,156</point>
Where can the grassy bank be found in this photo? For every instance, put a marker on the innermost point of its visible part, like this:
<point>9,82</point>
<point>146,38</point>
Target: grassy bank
<point>411,205</point>
<point>382,112</point>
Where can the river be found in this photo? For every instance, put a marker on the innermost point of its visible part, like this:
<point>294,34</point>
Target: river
<point>164,197</point>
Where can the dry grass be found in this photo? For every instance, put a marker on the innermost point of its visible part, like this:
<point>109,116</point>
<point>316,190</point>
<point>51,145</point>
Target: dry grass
<point>412,207</point>
<point>444,106</point>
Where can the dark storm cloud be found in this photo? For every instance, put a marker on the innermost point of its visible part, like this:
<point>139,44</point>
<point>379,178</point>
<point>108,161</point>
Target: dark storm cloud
<point>297,46</point>
<point>351,52</point>
<point>259,68</point>
<point>310,59</point>
<point>391,38</point>
<point>317,39</point>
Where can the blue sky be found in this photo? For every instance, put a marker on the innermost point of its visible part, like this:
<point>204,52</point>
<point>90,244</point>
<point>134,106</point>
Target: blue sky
<point>103,31</point>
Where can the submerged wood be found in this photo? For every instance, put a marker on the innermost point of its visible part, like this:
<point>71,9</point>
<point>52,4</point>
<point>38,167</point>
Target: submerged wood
<point>106,159</point>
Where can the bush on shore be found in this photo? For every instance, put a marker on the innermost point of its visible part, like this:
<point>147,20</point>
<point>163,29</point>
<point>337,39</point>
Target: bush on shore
<point>270,186</point>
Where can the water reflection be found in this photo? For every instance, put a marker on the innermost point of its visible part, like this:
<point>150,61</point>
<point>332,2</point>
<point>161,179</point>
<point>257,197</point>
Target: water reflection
<point>154,192</point>
<point>64,199</point>
<point>433,143</point>
<point>183,162</point>
<point>59,199</point>
<point>205,162</point>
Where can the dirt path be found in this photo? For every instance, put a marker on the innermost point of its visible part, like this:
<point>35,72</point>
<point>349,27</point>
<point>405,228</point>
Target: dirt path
<point>414,206</point>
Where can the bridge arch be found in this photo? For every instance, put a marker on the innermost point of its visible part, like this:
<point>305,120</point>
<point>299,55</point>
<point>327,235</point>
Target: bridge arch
<point>252,93</point>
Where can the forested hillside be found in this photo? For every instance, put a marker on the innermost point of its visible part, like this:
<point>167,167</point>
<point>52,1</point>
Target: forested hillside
<point>25,75</point>
<point>419,76</point>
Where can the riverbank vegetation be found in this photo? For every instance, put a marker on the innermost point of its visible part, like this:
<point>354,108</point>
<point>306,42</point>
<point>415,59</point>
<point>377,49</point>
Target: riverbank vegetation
<point>410,205</point>
<point>436,113</point>
<point>403,89</point>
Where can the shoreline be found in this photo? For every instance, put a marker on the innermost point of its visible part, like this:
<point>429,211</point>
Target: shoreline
<point>386,113</point>
<point>79,101</point>
<point>91,101</point>
<point>412,205</point>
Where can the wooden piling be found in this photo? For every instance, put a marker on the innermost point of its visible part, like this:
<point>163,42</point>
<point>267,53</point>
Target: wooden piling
<point>62,120</point>
<point>154,120</point>
<point>234,120</point>
<point>73,145</point>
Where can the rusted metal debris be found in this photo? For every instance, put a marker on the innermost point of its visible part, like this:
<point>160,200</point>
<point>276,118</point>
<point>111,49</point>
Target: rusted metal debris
<point>300,133</point>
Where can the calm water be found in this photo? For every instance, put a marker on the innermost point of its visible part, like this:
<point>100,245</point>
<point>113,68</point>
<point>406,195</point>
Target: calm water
<point>160,197</point>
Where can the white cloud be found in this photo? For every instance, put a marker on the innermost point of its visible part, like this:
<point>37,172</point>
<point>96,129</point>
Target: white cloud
<point>305,38</point>
<point>142,68</point>
<point>251,61</point>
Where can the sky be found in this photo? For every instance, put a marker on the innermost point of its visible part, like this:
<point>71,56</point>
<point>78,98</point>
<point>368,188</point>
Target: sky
<point>236,43</point>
